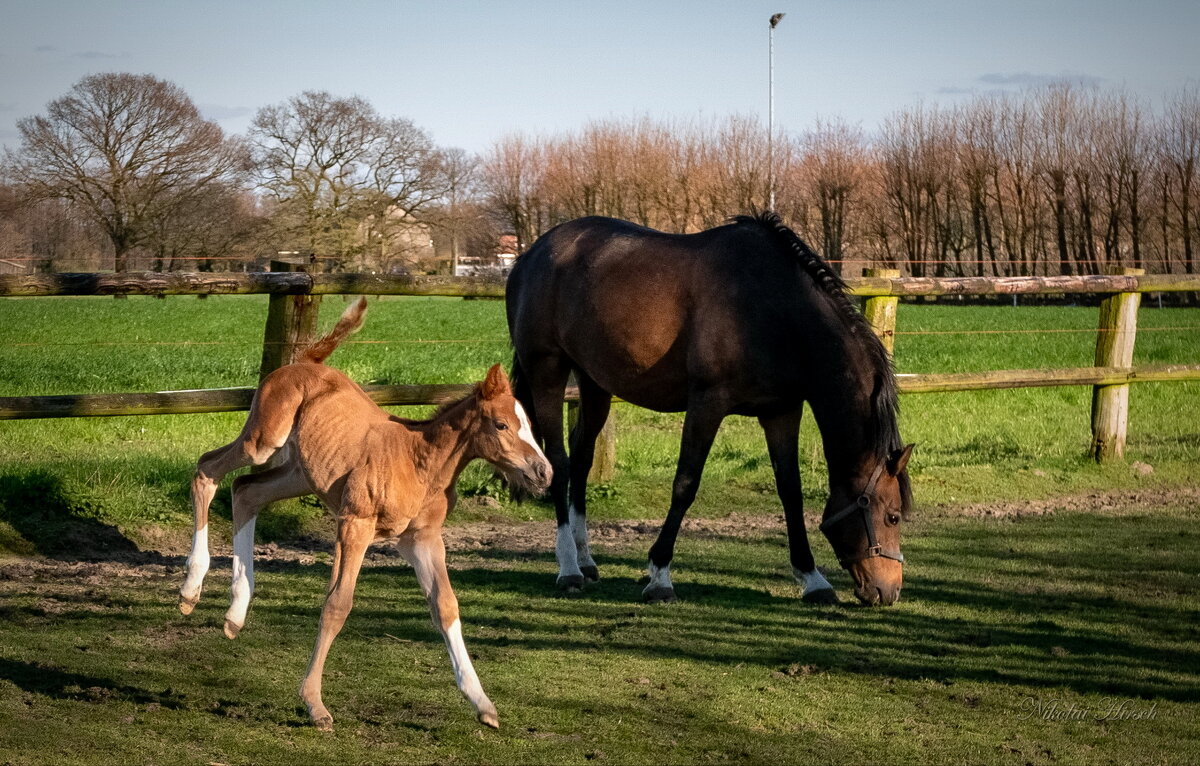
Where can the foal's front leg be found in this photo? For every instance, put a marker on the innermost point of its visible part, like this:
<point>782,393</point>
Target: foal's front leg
<point>426,551</point>
<point>353,537</point>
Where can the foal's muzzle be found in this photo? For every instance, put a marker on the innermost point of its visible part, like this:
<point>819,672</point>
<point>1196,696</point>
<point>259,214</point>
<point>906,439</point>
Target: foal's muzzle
<point>534,476</point>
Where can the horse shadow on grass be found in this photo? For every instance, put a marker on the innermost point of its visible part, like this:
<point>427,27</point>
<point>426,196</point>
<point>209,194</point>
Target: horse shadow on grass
<point>1002,636</point>
<point>52,522</point>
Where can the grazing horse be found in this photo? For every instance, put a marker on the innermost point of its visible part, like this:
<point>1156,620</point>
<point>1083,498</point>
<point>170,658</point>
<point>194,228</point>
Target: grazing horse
<point>381,476</point>
<point>742,319</point>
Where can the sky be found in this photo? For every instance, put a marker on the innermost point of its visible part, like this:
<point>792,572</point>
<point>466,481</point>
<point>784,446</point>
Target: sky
<point>470,72</point>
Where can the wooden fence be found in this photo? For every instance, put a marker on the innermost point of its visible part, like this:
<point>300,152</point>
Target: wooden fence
<point>295,302</point>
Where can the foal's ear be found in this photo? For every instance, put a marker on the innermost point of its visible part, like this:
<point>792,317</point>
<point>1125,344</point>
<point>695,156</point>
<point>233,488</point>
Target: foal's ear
<point>495,384</point>
<point>898,460</point>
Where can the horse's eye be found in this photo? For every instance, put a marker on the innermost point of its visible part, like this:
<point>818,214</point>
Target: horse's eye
<point>500,426</point>
<point>893,519</point>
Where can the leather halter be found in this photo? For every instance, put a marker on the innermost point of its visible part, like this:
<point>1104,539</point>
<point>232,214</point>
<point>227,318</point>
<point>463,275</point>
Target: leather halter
<point>863,505</point>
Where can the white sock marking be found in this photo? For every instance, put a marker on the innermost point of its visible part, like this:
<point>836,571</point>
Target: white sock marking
<point>243,573</point>
<point>580,532</point>
<point>659,578</point>
<point>566,553</point>
<point>464,671</point>
<point>197,565</point>
<point>811,581</point>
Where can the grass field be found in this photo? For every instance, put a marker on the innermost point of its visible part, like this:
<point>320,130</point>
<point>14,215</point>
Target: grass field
<point>973,447</point>
<point>1031,630</point>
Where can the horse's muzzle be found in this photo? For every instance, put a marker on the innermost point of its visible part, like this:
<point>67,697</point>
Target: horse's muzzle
<point>873,595</point>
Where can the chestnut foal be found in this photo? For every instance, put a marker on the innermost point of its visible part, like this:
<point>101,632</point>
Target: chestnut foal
<point>381,476</point>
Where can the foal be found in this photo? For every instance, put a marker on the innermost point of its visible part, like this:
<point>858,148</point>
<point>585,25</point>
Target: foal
<point>381,477</point>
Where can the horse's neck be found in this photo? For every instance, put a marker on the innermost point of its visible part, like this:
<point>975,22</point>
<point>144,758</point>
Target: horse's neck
<point>845,418</point>
<point>442,447</point>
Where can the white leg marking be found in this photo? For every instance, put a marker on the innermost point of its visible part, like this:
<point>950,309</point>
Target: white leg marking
<point>580,533</point>
<point>659,578</point>
<point>197,565</point>
<point>811,581</point>
<point>464,671</point>
<point>243,573</point>
<point>566,553</point>
<point>526,430</point>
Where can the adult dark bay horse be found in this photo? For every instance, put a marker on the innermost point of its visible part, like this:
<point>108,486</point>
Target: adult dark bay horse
<point>743,319</point>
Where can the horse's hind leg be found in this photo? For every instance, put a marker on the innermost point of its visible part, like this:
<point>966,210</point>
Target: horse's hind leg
<point>261,438</point>
<point>547,383</point>
<point>250,494</point>
<point>594,405</point>
<point>700,427</point>
<point>782,434</point>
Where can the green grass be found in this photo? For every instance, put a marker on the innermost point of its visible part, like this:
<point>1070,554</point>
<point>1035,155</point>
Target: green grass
<point>972,447</point>
<point>1067,612</point>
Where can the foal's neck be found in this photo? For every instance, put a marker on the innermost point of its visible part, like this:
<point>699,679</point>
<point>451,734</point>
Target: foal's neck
<point>443,445</point>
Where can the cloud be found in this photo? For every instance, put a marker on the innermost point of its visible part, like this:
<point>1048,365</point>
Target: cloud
<point>1032,80</point>
<point>222,112</point>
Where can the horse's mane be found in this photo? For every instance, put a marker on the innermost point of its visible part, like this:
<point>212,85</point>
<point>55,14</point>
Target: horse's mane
<point>885,403</point>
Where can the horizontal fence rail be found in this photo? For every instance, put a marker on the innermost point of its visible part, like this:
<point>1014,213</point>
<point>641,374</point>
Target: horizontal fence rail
<point>295,299</point>
<point>301,283</point>
<point>238,399</point>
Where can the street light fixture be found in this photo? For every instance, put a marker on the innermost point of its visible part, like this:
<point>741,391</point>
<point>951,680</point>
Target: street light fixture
<point>775,19</point>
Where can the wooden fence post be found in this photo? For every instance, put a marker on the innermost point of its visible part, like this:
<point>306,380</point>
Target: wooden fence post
<point>604,464</point>
<point>1114,348</point>
<point>881,310</point>
<point>291,325</point>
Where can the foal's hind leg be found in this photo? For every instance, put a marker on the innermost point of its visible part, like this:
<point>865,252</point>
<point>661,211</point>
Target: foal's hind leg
<point>594,405</point>
<point>250,494</point>
<point>782,434</point>
<point>261,437</point>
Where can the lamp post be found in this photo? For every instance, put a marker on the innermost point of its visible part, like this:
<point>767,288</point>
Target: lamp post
<point>775,19</point>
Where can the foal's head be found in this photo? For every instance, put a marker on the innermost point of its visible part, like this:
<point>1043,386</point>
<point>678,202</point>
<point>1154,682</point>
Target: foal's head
<point>863,525</point>
<point>504,436</point>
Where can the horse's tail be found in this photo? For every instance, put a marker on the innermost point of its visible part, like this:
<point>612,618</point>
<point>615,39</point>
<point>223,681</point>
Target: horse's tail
<point>351,322</point>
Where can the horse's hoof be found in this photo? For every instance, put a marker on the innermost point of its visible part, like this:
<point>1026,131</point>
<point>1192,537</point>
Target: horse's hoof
<point>659,596</point>
<point>591,574</point>
<point>186,605</point>
<point>489,718</point>
<point>323,723</point>
<point>570,583</point>
<point>232,630</point>
<point>822,596</point>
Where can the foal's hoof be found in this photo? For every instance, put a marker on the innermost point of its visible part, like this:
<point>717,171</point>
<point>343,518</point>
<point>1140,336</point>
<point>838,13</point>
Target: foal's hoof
<point>659,596</point>
<point>186,605</point>
<point>489,718</point>
<point>570,583</point>
<point>232,629</point>
<point>822,596</point>
<point>591,574</point>
<point>323,723</point>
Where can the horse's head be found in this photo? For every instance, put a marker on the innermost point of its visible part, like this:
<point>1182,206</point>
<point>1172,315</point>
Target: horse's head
<point>505,437</point>
<point>862,522</point>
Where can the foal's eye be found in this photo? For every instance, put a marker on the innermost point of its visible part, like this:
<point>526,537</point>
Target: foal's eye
<point>501,426</point>
<point>893,519</point>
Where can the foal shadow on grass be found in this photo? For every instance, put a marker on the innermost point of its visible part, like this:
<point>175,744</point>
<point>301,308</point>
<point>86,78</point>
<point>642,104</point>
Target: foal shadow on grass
<point>50,681</point>
<point>53,523</point>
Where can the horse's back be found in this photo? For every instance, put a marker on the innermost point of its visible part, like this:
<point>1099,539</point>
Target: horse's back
<point>649,315</point>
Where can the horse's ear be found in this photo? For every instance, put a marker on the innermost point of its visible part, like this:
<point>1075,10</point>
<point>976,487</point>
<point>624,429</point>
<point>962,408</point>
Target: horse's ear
<point>898,460</point>
<point>495,384</point>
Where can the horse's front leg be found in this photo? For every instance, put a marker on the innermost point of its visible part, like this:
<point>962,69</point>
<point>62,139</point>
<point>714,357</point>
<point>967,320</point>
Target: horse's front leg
<point>354,535</point>
<point>783,433</point>
<point>425,550</point>
<point>700,427</point>
<point>594,406</point>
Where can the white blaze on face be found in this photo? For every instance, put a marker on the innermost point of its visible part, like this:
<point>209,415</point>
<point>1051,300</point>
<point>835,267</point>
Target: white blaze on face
<point>526,430</point>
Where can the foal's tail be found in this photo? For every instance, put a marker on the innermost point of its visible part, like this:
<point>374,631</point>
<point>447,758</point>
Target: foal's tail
<point>350,323</point>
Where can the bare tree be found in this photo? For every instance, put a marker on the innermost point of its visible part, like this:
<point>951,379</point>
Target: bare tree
<point>126,150</point>
<point>344,177</point>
